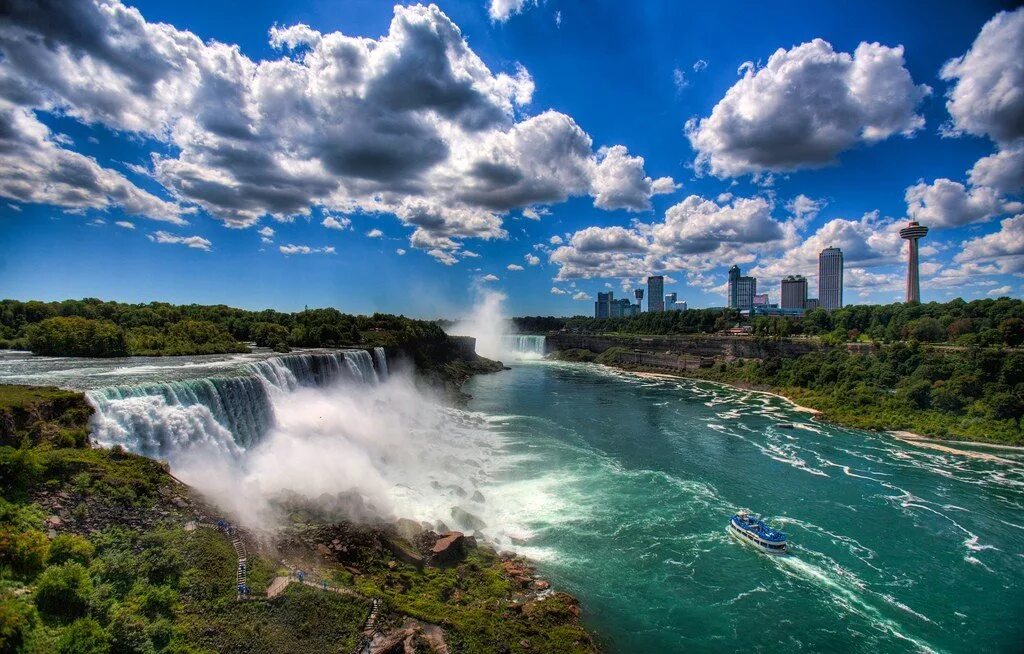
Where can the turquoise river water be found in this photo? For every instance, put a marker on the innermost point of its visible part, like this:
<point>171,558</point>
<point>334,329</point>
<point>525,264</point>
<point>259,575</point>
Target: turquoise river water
<point>619,487</point>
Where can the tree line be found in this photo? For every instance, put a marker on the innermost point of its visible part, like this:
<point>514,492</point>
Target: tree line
<point>989,322</point>
<point>96,328</point>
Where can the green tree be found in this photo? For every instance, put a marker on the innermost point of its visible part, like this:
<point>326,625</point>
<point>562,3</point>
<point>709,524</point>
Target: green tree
<point>77,337</point>
<point>1007,406</point>
<point>926,330</point>
<point>1013,331</point>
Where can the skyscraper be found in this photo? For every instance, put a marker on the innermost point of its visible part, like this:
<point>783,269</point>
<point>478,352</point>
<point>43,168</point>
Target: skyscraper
<point>830,278</point>
<point>794,292</point>
<point>655,293</point>
<point>742,290</point>
<point>913,232</point>
<point>603,306</point>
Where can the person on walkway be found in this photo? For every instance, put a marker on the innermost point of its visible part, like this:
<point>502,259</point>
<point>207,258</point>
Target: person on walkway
<point>302,577</point>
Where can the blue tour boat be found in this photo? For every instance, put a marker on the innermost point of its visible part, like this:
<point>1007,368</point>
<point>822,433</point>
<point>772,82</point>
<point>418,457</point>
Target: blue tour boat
<point>753,530</point>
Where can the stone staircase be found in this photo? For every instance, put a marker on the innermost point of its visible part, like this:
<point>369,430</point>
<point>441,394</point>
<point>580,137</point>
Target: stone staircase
<point>241,581</point>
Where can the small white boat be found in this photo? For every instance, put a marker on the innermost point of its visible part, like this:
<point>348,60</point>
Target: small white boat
<point>752,530</point>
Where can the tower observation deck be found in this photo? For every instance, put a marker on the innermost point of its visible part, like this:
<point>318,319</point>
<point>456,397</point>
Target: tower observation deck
<point>913,232</point>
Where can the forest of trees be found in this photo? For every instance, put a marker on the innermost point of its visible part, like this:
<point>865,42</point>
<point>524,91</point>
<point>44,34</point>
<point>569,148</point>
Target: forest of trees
<point>92,327</point>
<point>976,323</point>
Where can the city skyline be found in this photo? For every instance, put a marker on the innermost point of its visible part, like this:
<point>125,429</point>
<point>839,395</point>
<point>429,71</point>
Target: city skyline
<point>168,154</point>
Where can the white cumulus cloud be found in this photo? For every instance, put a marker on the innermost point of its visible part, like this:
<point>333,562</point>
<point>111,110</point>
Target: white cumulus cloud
<point>195,242</point>
<point>805,106</point>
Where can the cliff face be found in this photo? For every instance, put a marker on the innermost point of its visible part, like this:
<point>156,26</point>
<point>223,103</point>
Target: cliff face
<point>444,363</point>
<point>685,347</point>
<point>37,415</point>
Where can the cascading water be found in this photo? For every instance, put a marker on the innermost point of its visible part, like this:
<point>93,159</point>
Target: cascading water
<point>314,425</point>
<point>381,358</point>
<point>524,346</point>
<point>228,414</point>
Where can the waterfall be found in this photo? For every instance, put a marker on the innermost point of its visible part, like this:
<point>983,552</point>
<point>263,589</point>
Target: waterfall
<point>381,358</point>
<point>524,346</point>
<point>228,414</point>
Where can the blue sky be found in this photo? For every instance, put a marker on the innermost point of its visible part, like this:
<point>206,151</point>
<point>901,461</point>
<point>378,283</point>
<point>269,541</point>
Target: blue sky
<point>407,163</point>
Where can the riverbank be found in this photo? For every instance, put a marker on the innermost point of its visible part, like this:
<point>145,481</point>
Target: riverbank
<point>969,396</point>
<point>917,440</point>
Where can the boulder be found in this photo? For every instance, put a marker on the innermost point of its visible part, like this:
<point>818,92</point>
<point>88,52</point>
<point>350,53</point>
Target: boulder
<point>449,549</point>
<point>408,529</point>
<point>404,552</point>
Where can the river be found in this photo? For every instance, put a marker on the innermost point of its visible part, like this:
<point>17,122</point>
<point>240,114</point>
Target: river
<point>620,487</point>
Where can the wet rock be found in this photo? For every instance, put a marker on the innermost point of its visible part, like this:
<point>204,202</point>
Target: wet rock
<point>478,497</point>
<point>408,529</point>
<point>404,552</point>
<point>540,584</point>
<point>467,519</point>
<point>458,490</point>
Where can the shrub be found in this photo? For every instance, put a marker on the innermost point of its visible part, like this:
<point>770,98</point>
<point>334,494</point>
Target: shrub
<point>64,590</point>
<point>17,620</point>
<point>84,636</point>
<point>23,551</point>
<point>70,547</point>
<point>128,634</point>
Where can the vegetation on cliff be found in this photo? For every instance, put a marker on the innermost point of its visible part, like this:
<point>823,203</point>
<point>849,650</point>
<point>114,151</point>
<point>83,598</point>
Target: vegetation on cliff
<point>102,551</point>
<point>92,327</point>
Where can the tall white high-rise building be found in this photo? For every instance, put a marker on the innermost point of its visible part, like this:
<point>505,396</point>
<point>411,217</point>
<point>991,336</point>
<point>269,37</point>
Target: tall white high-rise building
<point>830,278</point>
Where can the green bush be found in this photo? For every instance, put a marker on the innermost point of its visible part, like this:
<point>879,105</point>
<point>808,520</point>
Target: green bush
<point>64,590</point>
<point>70,547</point>
<point>24,552</point>
<point>128,634</point>
<point>84,636</point>
<point>17,620</point>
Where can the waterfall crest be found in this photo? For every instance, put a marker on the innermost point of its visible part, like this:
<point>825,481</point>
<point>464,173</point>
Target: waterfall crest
<point>230,413</point>
<point>524,346</point>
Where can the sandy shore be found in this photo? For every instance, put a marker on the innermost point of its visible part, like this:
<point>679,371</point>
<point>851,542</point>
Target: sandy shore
<point>662,375</point>
<point>933,444</point>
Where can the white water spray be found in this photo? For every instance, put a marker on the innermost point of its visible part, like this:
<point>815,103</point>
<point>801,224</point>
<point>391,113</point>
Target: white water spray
<point>495,338</point>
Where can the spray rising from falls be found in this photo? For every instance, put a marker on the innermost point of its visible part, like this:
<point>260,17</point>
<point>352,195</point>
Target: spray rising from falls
<point>338,429</point>
<point>493,332</point>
